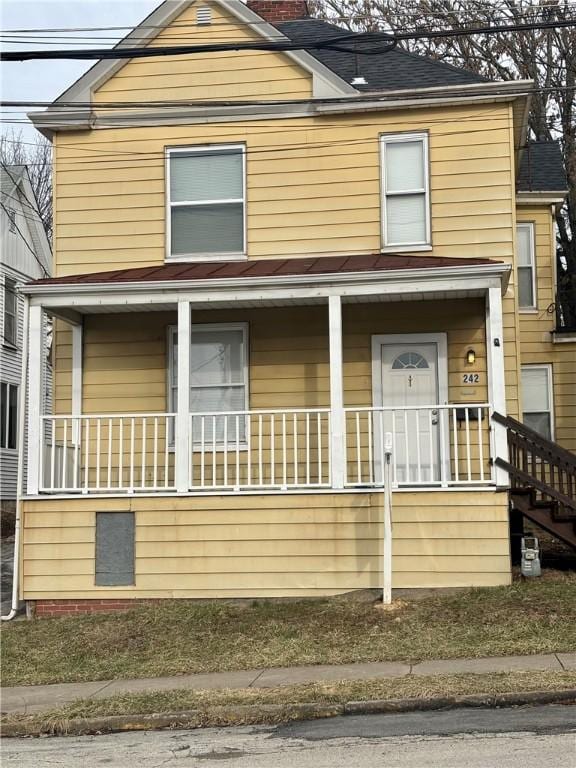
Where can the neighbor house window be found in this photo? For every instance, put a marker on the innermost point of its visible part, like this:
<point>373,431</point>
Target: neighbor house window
<point>206,202</point>
<point>537,398</point>
<point>10,311</point>
<point>526,266</point>
<point>8,415</point>
<point>405,190</point>
<point>218,379</point>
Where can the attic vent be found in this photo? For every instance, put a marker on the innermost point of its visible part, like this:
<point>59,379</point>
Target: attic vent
<point>204,15</point>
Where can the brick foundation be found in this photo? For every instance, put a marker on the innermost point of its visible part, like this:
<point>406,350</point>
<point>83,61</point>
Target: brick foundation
<point>54,608</point>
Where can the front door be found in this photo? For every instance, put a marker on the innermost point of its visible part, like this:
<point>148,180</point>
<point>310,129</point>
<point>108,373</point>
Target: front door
<point>410,375</point>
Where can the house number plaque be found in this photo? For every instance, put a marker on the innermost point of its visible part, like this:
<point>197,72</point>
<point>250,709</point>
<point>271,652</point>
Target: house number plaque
<point>470,378</point>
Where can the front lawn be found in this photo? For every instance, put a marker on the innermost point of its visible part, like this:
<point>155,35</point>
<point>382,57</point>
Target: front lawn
<point>178,637</point>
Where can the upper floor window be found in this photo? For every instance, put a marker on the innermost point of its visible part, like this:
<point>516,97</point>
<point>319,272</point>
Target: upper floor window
<point>537,398</point>
<point>405,190</point>
<point>206,202</point>
<point>526,266</point>
<point>8,415</point>
<point>10,312</point>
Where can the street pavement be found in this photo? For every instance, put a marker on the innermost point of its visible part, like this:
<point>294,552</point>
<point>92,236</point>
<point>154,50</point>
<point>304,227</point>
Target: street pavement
<point>472,738</point>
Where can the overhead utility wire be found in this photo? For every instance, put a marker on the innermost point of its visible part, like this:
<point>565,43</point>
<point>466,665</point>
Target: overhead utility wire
<point>376,42</point>
<point>373,96</point>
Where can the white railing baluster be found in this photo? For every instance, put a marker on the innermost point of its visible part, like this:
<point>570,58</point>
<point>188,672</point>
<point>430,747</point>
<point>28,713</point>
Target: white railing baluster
<point>168,428</point>
<point>52,456</point>
<point>295,447</point>
<point>98,449</point>
<point>260,476</point>
<point>319,428</point>
<point>272,451</point>
<point>237,483</point>
<point>431,445</point>
<point>77,436</point>
<point>369,426</point>
<point>394,451</point>
<point>64,455</point>
<point>87,456</point>
<point>213,451</point>
<point>121,452</point>
<point>441,422</point>
<point>225,454</point>
<point>381,445</point>
<point>155,449</point>
<point>455,433</point>
<point>307,448</point>
<point>358,450</point>
<point>480,444</point>
<point>109,459</point>
<point>468,446</point>
<point>284,457</point>
<point>132,447</point>
<point>418,456</point>
<point>407,478</point>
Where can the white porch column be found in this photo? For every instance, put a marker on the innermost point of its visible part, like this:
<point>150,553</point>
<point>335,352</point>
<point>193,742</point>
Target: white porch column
<point>337,437</point>
<point>182,441</point>
<point>77,343</point>
<point>35,398</point>
<point>496,378</point>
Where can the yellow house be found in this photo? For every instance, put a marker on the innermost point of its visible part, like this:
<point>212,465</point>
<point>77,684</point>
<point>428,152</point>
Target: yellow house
<point>274,268</point>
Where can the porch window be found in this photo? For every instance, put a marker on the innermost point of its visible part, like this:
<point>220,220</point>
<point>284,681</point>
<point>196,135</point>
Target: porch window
<point>406,190</point>
<point>8,415</point>
<point>218,378</point>
<point>206,202</point>
<point>10,314</point>
<point>537,398</point>
<point>526,266</point>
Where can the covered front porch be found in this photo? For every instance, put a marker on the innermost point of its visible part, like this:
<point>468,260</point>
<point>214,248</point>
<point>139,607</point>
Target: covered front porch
<point>317,367</point>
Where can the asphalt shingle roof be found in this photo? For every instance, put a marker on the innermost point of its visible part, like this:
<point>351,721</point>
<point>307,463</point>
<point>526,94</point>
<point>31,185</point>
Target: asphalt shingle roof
<point>395,70</point>
<point>542,168</point>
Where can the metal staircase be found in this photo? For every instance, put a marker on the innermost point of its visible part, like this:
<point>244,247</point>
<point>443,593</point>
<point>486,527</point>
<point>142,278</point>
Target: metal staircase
<point>542,479</point>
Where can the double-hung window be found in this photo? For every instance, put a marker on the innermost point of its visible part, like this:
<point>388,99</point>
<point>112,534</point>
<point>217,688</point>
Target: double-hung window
<point>8,415</point>
<point>10,312</point>
<point>537,398</point>
<point>527,298</point>
<point>218,379</point>
<point>405,191</point>
<point>206,202</point>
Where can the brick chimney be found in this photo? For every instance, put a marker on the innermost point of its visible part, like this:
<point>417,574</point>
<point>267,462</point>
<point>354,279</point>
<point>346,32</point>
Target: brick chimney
<point>277,11</point>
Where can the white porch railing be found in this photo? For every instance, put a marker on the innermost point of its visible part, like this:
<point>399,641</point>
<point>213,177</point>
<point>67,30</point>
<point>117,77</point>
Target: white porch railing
<point>264,449</point>
<point>107,453</point>
<point>435,445</point>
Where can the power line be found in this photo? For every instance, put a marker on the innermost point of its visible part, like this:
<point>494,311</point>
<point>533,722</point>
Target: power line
<point>376,43</point>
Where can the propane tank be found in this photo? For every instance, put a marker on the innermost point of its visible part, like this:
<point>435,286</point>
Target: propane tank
<point>530,564</point>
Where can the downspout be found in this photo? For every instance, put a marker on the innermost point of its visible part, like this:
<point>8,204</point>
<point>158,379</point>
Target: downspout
<point>20,476</point>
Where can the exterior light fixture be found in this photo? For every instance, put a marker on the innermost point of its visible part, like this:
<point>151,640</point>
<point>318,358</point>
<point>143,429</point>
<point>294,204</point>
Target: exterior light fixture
<point>471,357</point>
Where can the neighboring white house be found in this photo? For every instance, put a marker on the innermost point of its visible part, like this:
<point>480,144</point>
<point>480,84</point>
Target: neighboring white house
<point>24,255</point>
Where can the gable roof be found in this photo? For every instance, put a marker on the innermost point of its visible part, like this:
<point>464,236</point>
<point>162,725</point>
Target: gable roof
<point>394,70</point>
<point>542,168</point>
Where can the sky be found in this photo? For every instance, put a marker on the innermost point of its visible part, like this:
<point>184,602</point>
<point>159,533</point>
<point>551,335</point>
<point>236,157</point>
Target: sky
<point>45,80</point>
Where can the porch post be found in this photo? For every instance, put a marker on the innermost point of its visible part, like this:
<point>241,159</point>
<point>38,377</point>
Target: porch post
<point>77,342</point>
<point>182,441</point>
<point>35,398</point>
<point>337,437</point>
<point>496,379</point>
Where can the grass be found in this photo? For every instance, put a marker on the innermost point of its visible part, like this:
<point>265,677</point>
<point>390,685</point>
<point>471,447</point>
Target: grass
<point>214,706</point>
<point>178,637</point>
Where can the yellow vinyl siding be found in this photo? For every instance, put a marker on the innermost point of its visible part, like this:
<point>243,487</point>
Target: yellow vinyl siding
<point>265,546</point>
<point>232,75</point>
<point>537,326</point>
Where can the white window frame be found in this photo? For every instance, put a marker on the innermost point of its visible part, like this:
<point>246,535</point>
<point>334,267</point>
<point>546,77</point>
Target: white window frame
<point>190,257</point>
<point>9,286</point>
<point>4,438</point>
<point>202,327</point>
<point>548,368</point>
<point>397,138</point>
<point>534,306</point>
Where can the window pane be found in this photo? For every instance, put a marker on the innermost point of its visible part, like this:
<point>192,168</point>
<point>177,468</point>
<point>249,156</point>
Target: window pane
<point>525,287</point>
<point>404,166</point>
<point>524,246</point>
<point>10,298</point>
<point>215,175</point>
<point>10,329</point>
<point>215,228</point>
<point>539,422</point>
<point>216,358</point>
<point>218,399</point>
<point>12,416</point>
<point>406,219</point>
<point>535,394</point>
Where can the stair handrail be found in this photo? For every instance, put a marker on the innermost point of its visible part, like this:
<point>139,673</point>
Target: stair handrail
<point>552,448</point>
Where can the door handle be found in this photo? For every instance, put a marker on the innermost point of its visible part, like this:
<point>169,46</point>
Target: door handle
<point>434,421</point>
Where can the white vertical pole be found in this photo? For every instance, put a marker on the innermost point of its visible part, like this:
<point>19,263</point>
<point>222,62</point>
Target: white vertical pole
<point>336,391</point>
<point>77,342</point>
<point>496,379</point>
<point>182,457</point>
<point>387,541</point>
<point>35,398</point>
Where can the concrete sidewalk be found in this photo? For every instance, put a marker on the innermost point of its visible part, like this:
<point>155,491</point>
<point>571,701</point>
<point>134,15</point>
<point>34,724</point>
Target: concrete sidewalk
<point>39,698</point>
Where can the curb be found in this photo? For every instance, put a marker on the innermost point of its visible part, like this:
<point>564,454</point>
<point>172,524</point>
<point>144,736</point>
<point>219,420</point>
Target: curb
<point>252,714</point>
